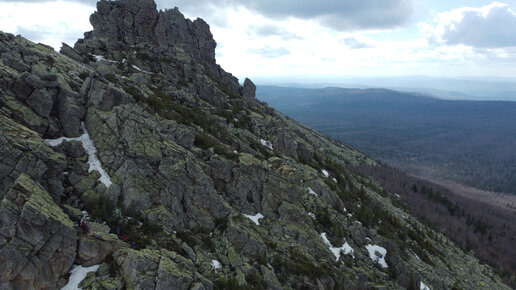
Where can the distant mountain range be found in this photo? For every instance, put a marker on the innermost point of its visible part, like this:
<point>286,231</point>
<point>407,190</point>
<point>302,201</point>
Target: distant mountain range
<point>471,142</point>
<point>488,89</point>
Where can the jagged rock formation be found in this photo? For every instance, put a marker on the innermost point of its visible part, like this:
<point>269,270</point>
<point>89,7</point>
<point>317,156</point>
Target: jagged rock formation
<point>215,189</point>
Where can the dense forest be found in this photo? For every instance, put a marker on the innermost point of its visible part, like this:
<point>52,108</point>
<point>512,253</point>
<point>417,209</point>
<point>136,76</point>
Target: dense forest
<point>486,229</point>
<point>469,142</point>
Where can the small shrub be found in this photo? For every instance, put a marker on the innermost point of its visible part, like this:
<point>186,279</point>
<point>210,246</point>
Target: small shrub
<point>111,78</point>
<point>84,75</point>
<point>135,92</point>
<point>223,283</point>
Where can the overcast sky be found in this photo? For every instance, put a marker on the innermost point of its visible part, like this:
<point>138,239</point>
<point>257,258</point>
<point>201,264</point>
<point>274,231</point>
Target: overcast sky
<point>319,39</point>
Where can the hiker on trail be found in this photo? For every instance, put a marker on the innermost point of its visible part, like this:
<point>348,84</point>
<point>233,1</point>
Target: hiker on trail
<point>84,227</point>
<point>117,231</point>
<point>124,238</point>
<point>133,245</point>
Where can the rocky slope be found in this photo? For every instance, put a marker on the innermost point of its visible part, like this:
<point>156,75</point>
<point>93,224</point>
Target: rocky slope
<point>213,188</point>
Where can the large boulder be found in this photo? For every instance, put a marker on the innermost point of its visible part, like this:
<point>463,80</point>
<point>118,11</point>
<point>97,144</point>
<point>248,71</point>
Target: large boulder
<point>249,89</point>
<point>37,239</point>
<point>152,269</point>
<point>94,248</point>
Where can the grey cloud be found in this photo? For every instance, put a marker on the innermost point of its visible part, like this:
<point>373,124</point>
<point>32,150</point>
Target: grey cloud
<point>88,2</point>
<point>354,43</point>
<point>496,29</point>
<point>270,52</point>
<point>273,30</point>
<point>41,33</point>
<point>337,14</point>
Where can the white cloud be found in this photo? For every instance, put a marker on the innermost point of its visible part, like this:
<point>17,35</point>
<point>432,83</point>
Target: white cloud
<point>267,30</point>
<point>490,26</point>
<point>49,22</point>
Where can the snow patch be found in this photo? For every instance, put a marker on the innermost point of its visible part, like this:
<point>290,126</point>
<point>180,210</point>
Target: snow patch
<point>325,173</point>
<point>270,267</point>
<point>215,264</point>
<point>334,180</point>
<point>89,147</point>
<point>255,218</point>
<point>98,58</point>
<point>267,144</point>
<point>140,70</point>
<point>417,257</point>
<point>311,215</point>
<point>311,191</point>
<point>373,250</point>
<point>422,286</point>
<point>78,273</point>
<point>346,248</point>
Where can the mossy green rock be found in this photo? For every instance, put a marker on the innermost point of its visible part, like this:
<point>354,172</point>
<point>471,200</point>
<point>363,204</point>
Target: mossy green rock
<point>35,231</point>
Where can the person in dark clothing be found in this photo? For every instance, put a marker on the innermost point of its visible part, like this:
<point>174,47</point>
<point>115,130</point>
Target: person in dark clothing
<point>84,227</point>
<point>117,231</point>
<point>133,245</point>
<point>125,237</point>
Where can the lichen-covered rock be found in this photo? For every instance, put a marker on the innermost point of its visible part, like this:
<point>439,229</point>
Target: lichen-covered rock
<point>148,269</point>
<point>38,239</point>
<point>95,247</point>
<point>23,151</point>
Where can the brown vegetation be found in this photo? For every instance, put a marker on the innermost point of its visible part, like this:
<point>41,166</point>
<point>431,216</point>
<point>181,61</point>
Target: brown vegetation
<point>483,227</point>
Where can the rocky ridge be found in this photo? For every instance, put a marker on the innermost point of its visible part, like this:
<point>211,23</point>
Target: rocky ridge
<point>190,152</point>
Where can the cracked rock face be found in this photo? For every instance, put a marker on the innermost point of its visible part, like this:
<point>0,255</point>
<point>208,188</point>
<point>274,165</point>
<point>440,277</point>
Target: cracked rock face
<point>200,170</point>
<point>37,240</point>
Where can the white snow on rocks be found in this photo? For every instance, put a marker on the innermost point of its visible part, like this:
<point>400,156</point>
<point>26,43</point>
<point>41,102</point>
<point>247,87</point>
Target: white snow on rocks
<point>78,273</point>
<point>267,144</point>
<point>325,173</point>
<point>140,70</point>
<point>89,147</point>
<point>380,258</point>
<point>422,286</point>
<point>346,248</point>
<point>98,58</point>
<point>311,215</point>
<point>215,264</point>
<point>255,218</point>
<point>311,191</point>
